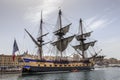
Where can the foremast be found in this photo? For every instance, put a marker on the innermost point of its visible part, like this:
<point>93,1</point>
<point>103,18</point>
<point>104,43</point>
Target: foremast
<point>39,41</point>
<point>62,43</point>
<point>81,38</point>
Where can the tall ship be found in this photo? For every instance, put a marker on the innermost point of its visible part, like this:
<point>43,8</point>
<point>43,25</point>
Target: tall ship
<point>60,63</point>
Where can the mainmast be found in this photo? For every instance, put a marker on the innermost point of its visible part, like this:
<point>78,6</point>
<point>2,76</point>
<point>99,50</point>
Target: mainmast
<point>40,38</point>
<point>82,39</point>
<point>62,43</point>
<point>60,35</point>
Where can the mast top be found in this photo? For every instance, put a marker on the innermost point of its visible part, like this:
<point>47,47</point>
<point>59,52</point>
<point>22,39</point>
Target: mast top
<point>60,12</point>
<point>80,20</point>
<point>41,17</point>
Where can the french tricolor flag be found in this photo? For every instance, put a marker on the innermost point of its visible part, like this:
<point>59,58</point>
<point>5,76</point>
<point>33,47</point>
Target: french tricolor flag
<point>15,49</point>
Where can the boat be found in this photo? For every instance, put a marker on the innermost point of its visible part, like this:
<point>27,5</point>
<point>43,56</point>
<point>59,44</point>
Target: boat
<point>60,63</point>
<point>9,70</point>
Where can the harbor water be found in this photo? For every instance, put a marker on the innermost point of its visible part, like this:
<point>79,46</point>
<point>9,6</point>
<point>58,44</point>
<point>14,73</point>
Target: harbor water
<point>97,74</point>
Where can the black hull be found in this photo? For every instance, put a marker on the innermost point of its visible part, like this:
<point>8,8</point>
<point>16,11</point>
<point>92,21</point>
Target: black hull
<point>43,70</point>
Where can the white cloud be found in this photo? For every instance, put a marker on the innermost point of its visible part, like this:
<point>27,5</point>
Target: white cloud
<point>90,20</point>
<point>47,6</point>
<point>99,22</point>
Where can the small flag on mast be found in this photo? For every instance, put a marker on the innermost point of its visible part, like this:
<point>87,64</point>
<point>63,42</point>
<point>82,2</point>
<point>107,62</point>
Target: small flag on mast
<point>15,49</point>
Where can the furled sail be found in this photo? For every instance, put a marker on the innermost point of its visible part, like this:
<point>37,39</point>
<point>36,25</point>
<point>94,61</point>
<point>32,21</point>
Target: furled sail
<point>63,30</point>
<point>78,37</point>
<point>86,46</point>
<point>63,43</point>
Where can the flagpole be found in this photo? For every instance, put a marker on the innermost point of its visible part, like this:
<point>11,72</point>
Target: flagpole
<point>18,58</point>
<point>16,49</point>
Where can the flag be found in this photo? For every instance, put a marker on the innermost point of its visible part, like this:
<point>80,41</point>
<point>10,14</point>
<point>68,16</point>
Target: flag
<point>15,49</point>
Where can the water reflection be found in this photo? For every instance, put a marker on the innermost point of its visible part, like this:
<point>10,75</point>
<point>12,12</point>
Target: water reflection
<point>84,75</point>
<point>101,74</point>
<point>9,76</point>
<point>57,76</point>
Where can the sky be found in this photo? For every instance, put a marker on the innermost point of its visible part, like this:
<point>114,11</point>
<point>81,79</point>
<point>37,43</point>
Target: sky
<point>100,16</point>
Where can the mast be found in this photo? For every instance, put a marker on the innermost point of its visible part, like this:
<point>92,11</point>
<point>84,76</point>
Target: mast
<point>62,43</point>
<point>60,13</point>
<point>83,46</point>
<point>82,39</point>
<point>60,36</point>
<point>40,39</point>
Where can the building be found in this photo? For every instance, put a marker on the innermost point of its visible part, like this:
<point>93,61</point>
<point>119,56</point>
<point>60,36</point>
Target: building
<point>7,61</point>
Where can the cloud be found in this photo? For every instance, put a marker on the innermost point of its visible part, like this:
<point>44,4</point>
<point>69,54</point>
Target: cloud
<point>99,22</point>
<point>47,6</point>
<point>103,19</point>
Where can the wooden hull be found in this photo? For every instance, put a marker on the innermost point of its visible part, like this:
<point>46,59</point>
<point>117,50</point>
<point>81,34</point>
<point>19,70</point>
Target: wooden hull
<point>38,68</point>
<point>41,70</point>
<point>33,66</point>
